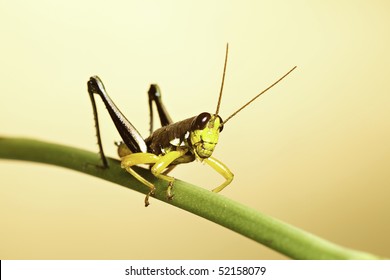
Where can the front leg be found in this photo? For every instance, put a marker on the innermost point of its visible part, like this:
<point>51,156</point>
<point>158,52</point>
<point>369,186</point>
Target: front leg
<point>221,169</point>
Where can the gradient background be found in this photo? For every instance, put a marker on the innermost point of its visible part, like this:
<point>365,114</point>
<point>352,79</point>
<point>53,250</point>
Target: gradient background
<point>314,152</point>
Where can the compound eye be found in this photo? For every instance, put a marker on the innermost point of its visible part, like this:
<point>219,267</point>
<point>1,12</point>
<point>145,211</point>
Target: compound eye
<point>221,125</point>
<point>201,121</point>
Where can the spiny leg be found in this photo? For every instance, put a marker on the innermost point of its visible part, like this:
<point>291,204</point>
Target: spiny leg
<point>130,136</point>
<point>91,91</point>
<point>221,169</point>
<point>154,94</point>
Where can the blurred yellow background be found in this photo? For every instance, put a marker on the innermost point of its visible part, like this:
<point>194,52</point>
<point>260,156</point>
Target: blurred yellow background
<point>314,151</point>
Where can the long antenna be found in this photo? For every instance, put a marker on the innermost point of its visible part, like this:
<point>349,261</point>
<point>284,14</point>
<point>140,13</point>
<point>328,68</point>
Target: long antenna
<point>253,99</point>
<point>223,79</point>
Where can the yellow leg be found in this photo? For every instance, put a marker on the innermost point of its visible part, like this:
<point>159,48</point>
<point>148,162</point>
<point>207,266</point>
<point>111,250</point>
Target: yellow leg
<point>140,158</point>
<point>160,163</point>
<point>221,169</point>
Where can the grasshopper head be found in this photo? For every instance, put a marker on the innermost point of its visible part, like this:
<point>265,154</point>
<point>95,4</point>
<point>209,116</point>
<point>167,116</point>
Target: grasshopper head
<point>204,135</point>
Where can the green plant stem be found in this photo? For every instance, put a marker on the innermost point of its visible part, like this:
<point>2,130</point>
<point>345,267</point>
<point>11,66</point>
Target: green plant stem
<point>282,237</point>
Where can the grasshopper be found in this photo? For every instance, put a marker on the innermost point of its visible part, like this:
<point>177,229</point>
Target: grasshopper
<point>174,143</point>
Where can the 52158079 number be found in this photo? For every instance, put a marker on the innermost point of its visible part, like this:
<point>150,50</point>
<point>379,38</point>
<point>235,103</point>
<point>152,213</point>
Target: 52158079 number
<point>241,270</point>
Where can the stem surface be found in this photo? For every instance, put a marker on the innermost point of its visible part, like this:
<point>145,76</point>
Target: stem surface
<point>282,237</point>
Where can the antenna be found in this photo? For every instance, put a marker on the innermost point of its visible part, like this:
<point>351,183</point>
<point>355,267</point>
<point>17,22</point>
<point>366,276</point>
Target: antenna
<point>223,79</point>
<point>253,99</point>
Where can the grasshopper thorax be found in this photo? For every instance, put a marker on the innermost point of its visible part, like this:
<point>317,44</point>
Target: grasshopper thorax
<point>205,129</point>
